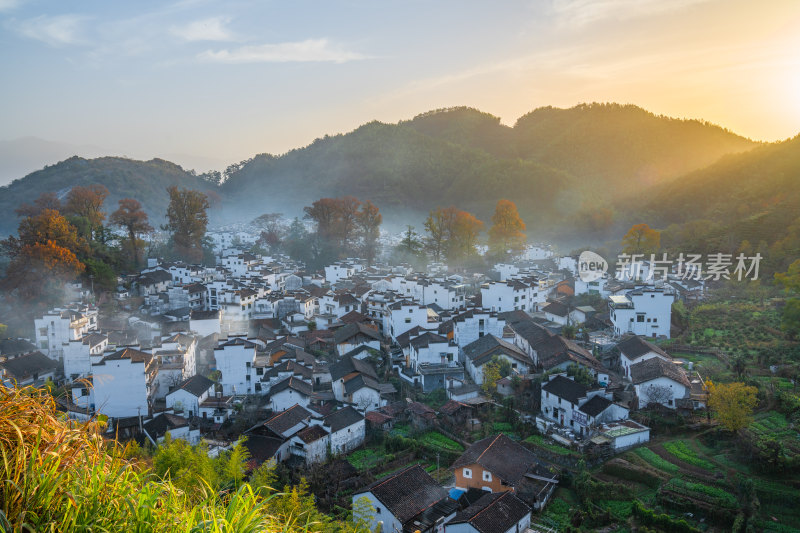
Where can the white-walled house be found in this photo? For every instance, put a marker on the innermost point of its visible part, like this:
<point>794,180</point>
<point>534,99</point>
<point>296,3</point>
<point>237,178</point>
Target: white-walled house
<point>347,429</point>
<point>635,349</point>
<point>189,394</point>
<point>500,512</point>
<point>645,311</point>
<point>486,348</point>
<point>291,391</point>
<point>123,383</point>
<point>60,326</point>
<point>572,404</point>
<point>400,497</point>
<point>405,315</point>
<point>235,360</point>
<point>205,323</point>
<point>659,381</point>
<point>33,368</point>
<point>510,295</point>
<point>78,354</point>
<point>474,323</point>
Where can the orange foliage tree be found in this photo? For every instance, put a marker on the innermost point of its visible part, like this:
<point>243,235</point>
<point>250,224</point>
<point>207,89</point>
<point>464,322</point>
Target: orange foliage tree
<point>506,237</point>
<point>641,239</point>
<point>452,233</point>
<point>43,257</point>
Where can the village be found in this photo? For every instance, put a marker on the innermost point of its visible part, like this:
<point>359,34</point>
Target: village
<point>476,381</point>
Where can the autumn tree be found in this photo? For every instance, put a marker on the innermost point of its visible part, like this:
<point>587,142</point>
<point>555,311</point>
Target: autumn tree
<point>43,257</point>
<point>641,239</point>
<point>732,403</point>
<point>87,202</point>
<point>368,220</point>
<point>452,233</point>
<point>495,369</point>
<point>46,200</point>
<point>506,237</point>
<point>187,220</point>
<point>272,228</point>
<point>133,219</point>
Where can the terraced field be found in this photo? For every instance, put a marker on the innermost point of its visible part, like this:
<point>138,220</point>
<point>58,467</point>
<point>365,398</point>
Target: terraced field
<point>687,479</point>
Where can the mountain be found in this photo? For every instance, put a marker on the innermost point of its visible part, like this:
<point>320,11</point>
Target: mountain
<point>398,168</point>
<point>553,163</point>
<point>614,148</point>
<point>752,197</point>
<point>145,181</point>
<point>19,157</point>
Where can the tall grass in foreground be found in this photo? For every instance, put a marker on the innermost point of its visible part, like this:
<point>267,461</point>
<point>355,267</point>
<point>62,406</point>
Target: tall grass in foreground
<point>58,475</point>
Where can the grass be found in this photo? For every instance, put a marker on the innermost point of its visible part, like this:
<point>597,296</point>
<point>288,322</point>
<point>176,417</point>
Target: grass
<point>365,459</point>
<point>656,461</point>
<point>60,475</point>
<point>539,441</point>
<point>619,510</point>
<point>435,440</point>
<point>679,449</point>
<point>699,491</point>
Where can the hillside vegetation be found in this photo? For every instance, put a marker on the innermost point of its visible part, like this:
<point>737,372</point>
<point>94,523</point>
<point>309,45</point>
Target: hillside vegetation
<point>61,476</point>
<point>561,166</point>
<point>145,181</point>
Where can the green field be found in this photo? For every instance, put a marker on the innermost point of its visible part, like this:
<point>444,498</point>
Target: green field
<point>716,495</point>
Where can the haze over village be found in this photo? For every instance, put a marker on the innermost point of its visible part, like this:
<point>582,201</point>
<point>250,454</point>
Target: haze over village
<point>576,314</point>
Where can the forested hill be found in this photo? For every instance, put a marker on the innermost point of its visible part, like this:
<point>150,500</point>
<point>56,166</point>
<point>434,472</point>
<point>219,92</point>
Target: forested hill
<point>399,168</point>
<point>552,162</point>
<point>753,197</point>
<point>621,146</point>
<point>145,181</point>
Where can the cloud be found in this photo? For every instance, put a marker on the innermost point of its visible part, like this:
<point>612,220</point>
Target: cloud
<point>210,29</point>
<point>579,13</point>
<point>320,50</point>
<point>8,5</point>
<point>57,30</point>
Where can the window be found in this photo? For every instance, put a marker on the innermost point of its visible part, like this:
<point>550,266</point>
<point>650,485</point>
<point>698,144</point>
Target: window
<point>377,510</point>
<point>487,476</point>
<point>639,318</point>
<point>467,473</point>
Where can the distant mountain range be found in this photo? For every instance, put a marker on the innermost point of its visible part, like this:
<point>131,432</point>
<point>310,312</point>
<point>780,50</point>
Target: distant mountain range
<point>553,163</point>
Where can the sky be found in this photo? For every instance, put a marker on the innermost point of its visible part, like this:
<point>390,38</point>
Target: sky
<point>206,82</point>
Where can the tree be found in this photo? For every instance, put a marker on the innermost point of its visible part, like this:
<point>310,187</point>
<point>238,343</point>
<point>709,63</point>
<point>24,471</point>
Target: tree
<point>438,225</point>
<point>580,374</point>
<point>369,221</point>
<point>133,219</point>
<point>43,257</point>
<point>87,202</point>
<point>452,232</point>
<point>46,200</point>
<point>657,394</point>
<point>187,220</point>
<point>641,239</point>
<point>495,369</point>
<point>506,237</point>
<point>411,245</point>
<point>732,403</point>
